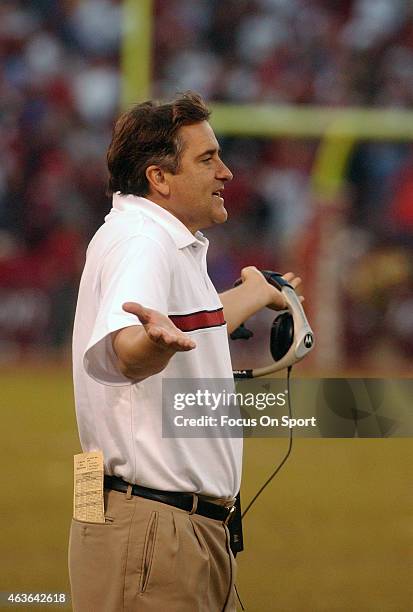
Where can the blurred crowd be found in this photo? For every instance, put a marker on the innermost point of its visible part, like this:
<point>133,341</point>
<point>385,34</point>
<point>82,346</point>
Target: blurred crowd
<point>328,52</point>
<point>59,94</point>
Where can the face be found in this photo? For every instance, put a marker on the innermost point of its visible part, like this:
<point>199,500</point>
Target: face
<point>196,191</point>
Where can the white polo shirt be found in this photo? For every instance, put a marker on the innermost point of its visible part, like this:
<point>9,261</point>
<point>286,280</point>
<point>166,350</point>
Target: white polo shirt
<point>144,254</point>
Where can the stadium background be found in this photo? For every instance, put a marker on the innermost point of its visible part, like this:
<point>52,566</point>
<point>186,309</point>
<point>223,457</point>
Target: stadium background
<point>313,110</point>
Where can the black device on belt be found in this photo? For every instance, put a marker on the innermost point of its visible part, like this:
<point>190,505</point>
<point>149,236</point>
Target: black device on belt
<point>185,501</point>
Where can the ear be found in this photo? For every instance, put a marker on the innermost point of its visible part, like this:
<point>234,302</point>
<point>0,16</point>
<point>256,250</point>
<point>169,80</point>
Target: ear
<point>157,180</point>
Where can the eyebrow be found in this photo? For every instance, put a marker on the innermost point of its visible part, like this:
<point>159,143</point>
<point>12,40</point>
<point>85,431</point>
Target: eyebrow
<point>209,152</point>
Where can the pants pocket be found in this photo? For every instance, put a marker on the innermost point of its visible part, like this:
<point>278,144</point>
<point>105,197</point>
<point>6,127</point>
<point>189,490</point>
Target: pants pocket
<point>148,551</point>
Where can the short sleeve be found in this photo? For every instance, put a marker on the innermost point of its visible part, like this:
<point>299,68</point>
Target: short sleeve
<point>137,270</point>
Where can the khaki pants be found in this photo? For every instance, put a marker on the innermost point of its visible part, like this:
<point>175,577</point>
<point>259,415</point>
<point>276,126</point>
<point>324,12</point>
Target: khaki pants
<point>150,557</point>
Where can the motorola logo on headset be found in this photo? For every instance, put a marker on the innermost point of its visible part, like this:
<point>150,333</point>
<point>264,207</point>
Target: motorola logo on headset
<point>308,340</point>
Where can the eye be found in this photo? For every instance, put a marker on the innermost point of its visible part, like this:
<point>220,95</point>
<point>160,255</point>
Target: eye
<point>207,159</point>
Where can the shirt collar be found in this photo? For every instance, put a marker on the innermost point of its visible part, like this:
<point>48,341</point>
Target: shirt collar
<point>132,204</point>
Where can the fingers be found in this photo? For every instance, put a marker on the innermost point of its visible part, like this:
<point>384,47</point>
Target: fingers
<point>291,278</point>
<point>169,340</point>
<point>294,281</point>
<point>137,309</point>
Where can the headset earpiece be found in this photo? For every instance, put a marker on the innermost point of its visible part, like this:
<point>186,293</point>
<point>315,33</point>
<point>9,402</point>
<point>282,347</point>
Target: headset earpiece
<point>282,335</point>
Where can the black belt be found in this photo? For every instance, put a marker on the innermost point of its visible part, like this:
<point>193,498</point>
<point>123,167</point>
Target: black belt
<point>185,501</point>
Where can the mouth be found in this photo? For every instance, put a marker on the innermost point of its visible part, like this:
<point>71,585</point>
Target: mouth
<point>218,193</point>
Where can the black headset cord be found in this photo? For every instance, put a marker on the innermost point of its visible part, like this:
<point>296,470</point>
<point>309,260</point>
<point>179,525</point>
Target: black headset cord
<point>287,454</point>
<point>277,469</point>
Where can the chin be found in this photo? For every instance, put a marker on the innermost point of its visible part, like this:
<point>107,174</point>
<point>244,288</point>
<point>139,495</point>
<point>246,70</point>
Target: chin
<point>221,217</point>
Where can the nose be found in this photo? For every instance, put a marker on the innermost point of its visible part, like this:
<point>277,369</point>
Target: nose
<point>224,173</point>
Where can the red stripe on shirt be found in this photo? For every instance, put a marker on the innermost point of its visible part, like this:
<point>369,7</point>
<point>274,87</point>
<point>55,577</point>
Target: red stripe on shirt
<point>198,320</point>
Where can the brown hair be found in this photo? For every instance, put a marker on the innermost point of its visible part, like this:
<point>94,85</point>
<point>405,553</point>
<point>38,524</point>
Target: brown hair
<point>147,135</point>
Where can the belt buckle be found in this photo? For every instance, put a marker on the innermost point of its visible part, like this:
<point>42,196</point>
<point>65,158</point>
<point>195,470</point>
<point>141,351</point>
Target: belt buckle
<point>229,515</point>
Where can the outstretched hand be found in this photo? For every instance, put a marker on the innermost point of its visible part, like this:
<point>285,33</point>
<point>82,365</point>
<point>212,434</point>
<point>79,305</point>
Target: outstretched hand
<point>160,329</point>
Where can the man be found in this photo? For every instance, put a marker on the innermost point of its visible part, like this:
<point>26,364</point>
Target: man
<point>147,311</point>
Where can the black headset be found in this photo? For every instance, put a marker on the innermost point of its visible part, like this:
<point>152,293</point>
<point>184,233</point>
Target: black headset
<point>291,336</point>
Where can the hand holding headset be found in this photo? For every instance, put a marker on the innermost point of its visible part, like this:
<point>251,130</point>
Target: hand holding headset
<point>291,336</point>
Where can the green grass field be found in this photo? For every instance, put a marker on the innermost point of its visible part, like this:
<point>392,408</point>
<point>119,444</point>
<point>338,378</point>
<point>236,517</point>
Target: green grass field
<point>333,533</point>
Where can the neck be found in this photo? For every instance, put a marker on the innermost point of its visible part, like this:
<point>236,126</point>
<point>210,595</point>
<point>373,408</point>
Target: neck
<point>166,205</point>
